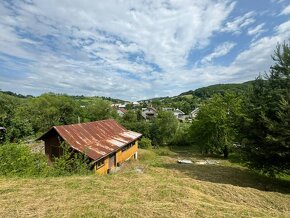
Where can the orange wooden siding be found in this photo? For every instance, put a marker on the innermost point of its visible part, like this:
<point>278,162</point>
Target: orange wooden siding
<point>125,155</point>
<point>121,156</point>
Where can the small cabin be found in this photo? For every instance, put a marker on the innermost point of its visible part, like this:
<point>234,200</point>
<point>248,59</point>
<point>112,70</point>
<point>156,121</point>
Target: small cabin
<point>106,143</point>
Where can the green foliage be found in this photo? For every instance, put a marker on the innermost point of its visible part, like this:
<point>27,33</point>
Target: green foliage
<point>98,110</point>
<point>163,128</point>
<point>7,107</point>
<point>145,143</point>
<point>18,129</point>
<point>208,92</point>
<point>48,110</point>
<point>213,131</point>
<point>181,136</point>
<point>18,160</point>
<point>133,121</point>
<point>70,162</point>
<point>130,117</point>
<point>266,128</point>
<point>184,103</point>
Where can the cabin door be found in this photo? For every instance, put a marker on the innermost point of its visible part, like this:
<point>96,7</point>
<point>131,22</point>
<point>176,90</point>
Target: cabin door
<point>112,161</point>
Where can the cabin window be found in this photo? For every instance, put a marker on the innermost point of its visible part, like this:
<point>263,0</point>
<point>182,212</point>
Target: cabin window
<point>100,163</point>
<point>127,147</point>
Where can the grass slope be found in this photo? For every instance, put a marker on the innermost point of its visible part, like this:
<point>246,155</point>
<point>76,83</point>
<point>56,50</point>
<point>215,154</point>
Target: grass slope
<point>163,189</point>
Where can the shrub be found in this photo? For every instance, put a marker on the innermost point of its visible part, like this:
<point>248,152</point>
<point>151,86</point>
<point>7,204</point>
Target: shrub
<point>181,136</point>
<point>70,163</point>
<point>18,160</point>
<point>145,143</point>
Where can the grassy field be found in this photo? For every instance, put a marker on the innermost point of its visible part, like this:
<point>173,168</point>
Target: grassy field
<point>154,186</point>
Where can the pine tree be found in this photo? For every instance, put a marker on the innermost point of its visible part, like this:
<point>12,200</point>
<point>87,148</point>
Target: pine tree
<point>266,127</point>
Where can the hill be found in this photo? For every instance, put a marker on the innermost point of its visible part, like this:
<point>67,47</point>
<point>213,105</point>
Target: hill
<point>207,92</point>
<point>81,98</point>
<point>154,186</point>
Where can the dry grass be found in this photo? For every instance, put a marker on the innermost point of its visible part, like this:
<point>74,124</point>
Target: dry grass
<point>164,189</point>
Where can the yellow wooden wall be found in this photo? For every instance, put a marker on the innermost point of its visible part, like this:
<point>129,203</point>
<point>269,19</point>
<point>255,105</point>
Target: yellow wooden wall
<point>103,169</point>
<point>120,158</point>
<point>125,155</point>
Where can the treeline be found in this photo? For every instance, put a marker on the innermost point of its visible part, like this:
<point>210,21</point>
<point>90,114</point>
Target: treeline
<point>33,116</point>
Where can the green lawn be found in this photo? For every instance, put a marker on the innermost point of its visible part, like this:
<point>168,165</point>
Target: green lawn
<point>154,186</point>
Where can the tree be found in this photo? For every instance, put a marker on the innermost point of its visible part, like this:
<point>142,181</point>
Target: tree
<point>266,128</point>
<point>163,128</point>
<point>98,110</point>
<point>48,110</point>
<point>17,128</point>
<point>132,120</point>
<point>213,131</point>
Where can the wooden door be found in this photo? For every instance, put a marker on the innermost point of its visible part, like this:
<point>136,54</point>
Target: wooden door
<point>112,161</point>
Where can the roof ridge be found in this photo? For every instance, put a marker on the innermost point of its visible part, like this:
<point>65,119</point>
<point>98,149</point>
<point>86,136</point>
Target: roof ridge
<point>97,121</point>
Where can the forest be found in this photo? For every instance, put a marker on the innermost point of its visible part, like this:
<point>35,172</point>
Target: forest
<point>249,121</point>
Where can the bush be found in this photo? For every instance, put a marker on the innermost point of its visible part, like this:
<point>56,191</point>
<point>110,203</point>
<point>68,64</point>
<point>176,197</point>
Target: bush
<point>70,163</point>
<point>181,136</point>
<point>18,160</point>
<point>145,143</point>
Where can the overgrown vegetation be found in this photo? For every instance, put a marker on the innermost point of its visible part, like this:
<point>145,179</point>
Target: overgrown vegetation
<point>17,160</point>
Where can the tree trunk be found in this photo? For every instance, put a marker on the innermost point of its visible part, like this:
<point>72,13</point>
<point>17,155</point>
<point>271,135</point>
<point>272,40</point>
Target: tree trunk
<point>226,152</point>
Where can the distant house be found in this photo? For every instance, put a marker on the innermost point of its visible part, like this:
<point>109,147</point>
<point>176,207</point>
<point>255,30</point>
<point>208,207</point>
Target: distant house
<point>178,113</point>
<point>135,104</point>
<point>121,111</point>
<point>149,113</point>
<point>122,105</point>
<point>2,129</point>
<point>115,105</point>
<point>106,143</point>
<point>194,113</point>
<point>118,105</point>
<point>2,134</point>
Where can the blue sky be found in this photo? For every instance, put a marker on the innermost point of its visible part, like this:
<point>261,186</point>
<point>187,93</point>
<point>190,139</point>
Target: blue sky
<point>136,49</point>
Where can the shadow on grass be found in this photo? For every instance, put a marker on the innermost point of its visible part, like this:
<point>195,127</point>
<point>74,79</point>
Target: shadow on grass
<point>231,175</point>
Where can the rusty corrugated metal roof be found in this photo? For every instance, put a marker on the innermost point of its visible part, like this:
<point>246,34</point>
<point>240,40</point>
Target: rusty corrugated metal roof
<point>96,139</point>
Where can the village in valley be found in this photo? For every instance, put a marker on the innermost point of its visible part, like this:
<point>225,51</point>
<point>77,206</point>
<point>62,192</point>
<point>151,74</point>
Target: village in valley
<point>150,112</point>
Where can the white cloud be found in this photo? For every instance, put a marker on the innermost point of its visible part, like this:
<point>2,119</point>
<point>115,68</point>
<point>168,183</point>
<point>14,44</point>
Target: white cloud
<point>277,1</point>
<point>239,23</point>
<point>219,51</point>
<point>126,49</point>
<point>286,10</point>
<point>257,30</point>
<point>84,45</point>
